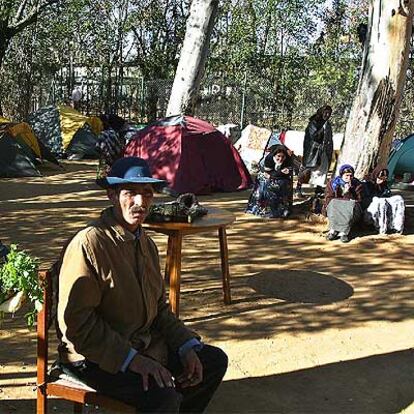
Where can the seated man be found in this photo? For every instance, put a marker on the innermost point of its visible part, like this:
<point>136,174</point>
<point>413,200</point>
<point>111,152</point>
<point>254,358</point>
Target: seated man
<point>117,333</point>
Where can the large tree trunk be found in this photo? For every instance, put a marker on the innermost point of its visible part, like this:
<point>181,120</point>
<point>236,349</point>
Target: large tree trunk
<point>4,44</point>
<point>375,109</point>
<point>193,56</point>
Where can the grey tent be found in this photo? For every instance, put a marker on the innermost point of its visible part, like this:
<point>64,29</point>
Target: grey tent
<point>15,161</point>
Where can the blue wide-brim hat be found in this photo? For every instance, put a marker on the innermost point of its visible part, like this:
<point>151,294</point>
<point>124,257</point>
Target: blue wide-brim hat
<point>129,170</point>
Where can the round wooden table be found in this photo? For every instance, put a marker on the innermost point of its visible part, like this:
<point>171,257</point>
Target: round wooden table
<point>216,219</point>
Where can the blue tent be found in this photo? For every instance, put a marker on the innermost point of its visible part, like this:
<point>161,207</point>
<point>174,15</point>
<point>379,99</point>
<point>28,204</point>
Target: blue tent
<point>401,159</point>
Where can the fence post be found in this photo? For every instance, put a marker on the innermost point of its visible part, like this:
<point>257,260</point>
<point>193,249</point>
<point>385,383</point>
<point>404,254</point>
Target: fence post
<point>243,104</point>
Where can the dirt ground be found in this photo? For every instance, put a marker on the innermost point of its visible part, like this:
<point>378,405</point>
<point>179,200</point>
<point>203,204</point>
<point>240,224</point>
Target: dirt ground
<point>315,326</point>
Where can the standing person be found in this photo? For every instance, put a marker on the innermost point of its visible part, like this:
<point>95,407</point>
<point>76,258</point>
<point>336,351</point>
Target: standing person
<point>117,333</point>
<point>317,151</point>
<point>385,211</point>
<point>343,196</point>
<point>76,97</point>
<point>272,193</point>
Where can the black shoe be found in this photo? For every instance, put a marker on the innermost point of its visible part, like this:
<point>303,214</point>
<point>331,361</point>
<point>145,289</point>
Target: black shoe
<point>285,213</point>
<point>332,235</point>
<point>319,190</point>
<point>298,194</point>
<point>344,238</point>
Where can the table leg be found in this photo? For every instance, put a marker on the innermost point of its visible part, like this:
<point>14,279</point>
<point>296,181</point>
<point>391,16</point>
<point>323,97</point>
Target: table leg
<point>167,259</point>
<point>174,266</point>
<point>224,253</point>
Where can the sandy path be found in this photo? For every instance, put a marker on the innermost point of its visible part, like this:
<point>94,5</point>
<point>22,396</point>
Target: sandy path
<point>315,326</point>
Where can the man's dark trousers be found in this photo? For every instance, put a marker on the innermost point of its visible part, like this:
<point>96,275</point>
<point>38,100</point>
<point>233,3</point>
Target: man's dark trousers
<point>127,387</point>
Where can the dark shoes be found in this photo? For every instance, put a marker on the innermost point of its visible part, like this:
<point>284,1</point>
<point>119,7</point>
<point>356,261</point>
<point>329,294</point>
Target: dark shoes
<point>344,238</point>
<point>285,213</point>
<point>319,191</point>
<point>332,235</point>
<point>298,194</point>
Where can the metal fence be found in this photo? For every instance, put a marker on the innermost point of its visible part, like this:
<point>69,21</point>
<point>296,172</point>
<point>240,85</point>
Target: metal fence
<point>143,100</point>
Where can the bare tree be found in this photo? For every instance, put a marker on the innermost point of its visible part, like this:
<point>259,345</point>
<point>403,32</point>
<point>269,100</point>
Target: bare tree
<point>375,109</point>
<point>193,55</point>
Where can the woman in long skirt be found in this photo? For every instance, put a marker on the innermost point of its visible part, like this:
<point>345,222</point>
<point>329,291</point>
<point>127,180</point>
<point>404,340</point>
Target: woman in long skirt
<point>343,196</point>
<point>385,211</point>
<point>317,151</point>
<point>272,193</point>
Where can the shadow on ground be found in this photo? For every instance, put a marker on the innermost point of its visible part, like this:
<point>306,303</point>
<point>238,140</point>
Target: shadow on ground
<point>377,384</point>
<point>300,286</point>
<point>286,281</point>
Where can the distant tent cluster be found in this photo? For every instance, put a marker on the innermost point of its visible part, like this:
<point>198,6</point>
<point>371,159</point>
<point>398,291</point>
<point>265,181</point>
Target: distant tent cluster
<point>191,154</point>
<point>51,132</point>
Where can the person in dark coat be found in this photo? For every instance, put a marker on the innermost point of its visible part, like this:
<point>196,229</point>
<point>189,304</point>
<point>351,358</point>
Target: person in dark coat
<point>317,151</point>
<point>342,206</point>
<point>384,210</point>
<point>272,193</point>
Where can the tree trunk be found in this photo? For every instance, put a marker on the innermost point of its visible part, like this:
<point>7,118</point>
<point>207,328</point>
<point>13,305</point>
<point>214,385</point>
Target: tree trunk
<point>4,44</point>
<point>375,109</point>
<point>193,56</point>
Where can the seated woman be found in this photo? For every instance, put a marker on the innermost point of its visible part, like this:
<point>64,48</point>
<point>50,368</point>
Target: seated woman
<point>343,195</point>
<point>385,211</point>
<point>273,190</point>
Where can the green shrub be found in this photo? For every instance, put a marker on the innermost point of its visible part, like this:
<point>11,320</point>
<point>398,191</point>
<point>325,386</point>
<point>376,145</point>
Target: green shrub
<point>19,274</point>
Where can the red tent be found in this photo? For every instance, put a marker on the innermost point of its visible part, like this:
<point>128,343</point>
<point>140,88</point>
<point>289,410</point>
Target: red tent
<point>191,155</point>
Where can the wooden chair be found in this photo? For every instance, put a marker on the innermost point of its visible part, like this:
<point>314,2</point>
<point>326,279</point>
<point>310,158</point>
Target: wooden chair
<point>61,388</point>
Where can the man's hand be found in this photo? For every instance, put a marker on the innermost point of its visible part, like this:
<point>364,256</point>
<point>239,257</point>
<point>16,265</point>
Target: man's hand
<point>193,370</point>
<point>147,366</point>
<point>285,171</point>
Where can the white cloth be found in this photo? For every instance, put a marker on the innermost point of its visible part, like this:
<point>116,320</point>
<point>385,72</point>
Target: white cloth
<point>319,174</point>
<point>386,213</point>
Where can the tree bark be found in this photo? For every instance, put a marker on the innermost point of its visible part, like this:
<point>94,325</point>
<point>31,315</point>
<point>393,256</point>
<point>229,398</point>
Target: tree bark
<point>193,55</point>
<point>371,124</point>
<point>4,44</point>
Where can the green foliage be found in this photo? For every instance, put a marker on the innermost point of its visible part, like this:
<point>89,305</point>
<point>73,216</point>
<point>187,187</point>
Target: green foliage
<point>295,55</point>
<point>19,274</point>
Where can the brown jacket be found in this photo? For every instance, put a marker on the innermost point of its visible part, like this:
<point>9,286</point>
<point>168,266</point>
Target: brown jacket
<point>112,298</point>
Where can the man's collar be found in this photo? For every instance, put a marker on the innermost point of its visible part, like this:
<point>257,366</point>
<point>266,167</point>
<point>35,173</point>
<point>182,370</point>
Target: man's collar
<point>108,217</point>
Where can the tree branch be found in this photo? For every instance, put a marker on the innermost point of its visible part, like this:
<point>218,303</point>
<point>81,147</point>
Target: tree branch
<point>31,17</point>
<point>20,11</point>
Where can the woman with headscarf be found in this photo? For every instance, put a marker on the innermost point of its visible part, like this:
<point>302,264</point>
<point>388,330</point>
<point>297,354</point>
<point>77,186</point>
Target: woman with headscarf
<point>385,211</point>
<point>343,196</point>
<point>272,193</point>
<point>317,151</point>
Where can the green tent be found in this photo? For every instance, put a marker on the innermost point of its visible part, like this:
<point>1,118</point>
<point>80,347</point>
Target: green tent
<point>401,159</point>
